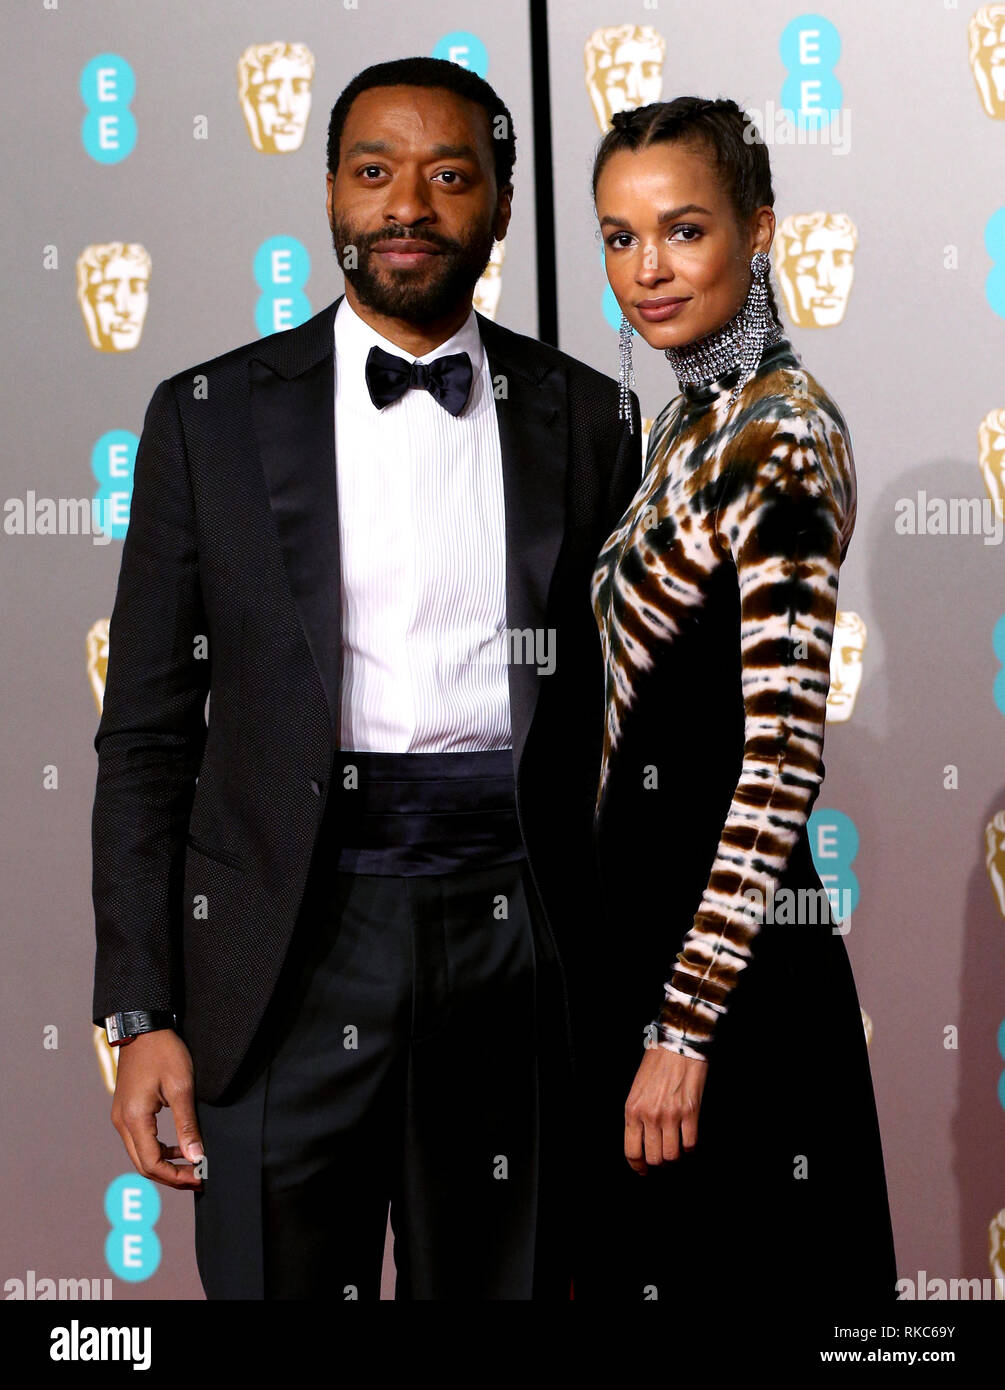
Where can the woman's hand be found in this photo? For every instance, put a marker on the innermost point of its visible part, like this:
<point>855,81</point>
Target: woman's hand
<point>661,1113</point>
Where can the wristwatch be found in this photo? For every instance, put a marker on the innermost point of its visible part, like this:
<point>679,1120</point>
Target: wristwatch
<point>123,1027</point>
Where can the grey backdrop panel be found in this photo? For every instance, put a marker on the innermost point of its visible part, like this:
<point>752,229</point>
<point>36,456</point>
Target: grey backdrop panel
<point>201,208</point>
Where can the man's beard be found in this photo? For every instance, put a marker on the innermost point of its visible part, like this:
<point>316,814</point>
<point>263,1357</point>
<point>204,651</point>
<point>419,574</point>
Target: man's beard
<point>417,296</point>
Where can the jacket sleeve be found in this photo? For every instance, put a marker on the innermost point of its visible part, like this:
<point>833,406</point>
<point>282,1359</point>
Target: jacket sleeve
<point>152,730</point>
<point>786,531</point>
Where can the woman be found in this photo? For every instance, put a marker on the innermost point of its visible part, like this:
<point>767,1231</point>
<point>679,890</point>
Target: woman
<point>750,1113</point>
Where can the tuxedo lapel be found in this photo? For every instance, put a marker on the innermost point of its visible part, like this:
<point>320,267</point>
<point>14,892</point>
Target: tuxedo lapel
<point>293,406</point>
<point>533,434</point>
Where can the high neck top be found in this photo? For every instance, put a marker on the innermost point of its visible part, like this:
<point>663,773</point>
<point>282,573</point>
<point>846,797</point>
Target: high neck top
<point>712,362</point>
<point>718,590</point>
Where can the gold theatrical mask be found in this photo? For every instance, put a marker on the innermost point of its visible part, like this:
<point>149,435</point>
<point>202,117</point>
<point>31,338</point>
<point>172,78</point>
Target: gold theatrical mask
<point>489,286</point>
<point>986,31</point>
<point>847,652</point>
<point>274,87</point>
<point>996,1248</point>
<point>97,659</point>
<point>815,265</point>
<point>108,1057</point>
<point>647,424</point>
<point>994,856</point>
<point>867,1025</point>
<point>113,286</point>
<point>624,69</point>
<point>96,646</point>
<point>991,456</point>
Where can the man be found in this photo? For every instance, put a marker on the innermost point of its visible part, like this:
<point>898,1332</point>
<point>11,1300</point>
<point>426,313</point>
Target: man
<point>333,924</point>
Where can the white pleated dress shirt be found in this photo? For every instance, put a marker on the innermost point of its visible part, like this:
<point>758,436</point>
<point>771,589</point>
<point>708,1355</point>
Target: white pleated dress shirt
<point>423,547</point>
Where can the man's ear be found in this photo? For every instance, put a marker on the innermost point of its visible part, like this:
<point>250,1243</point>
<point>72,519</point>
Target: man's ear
<point>503,212</point>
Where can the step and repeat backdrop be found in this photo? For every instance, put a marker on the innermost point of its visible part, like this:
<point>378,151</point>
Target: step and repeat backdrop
<point>165,171</point>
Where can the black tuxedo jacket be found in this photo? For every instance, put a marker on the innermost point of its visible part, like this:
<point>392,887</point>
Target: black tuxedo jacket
<point>203,836</point>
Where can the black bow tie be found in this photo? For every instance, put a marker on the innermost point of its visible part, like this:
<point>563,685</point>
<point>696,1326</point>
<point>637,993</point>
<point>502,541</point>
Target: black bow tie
<point>447,379</point>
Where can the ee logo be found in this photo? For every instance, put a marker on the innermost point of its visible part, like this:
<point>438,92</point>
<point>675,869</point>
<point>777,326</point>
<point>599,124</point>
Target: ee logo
<point>113,459</point>
<point>994,242</point>
<point>998,643</point>
<point>282,267</point>
<point>464,49</point>
<point>809,48</point>
<point>107,86</point>
<point>834,844</point>
<point>132,1247</point>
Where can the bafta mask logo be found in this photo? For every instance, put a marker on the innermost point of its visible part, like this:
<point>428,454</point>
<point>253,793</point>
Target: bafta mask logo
<point>647,426</point>
<point>815,263</point>
<point>97,659</point>
<point>991,455</point>
<point>996,1248</point>
<point>274,87</point>
<point>97,666</point>
<point>867,1025</point>
<point>108,1057</point>
<point>847,651</point>
<point>113,288</point>
<point>987,57</point>
<point>624,69</point>
<point>994,856</point>
<point>489,286</point>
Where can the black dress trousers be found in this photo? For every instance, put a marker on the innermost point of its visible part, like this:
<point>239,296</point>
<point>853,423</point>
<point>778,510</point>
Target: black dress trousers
<point>415,1055</point>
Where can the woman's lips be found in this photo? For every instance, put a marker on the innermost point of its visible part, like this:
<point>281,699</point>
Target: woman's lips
<point>656,310</point>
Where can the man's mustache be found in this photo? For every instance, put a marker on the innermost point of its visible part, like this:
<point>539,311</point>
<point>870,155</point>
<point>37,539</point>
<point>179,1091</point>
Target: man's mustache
<point>442,243</point>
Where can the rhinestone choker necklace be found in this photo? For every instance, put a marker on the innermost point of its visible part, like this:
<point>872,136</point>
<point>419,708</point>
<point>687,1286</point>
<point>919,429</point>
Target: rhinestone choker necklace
<point>717,352</point>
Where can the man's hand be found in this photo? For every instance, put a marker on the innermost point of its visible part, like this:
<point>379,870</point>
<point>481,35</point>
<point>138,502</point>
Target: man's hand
<point>662,1108</point>
<point>155,1070</point>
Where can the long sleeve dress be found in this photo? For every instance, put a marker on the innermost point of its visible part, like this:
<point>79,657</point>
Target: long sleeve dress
<point>716,599</point>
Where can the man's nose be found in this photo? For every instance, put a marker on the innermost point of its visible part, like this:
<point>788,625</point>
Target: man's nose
<point>407,201</point>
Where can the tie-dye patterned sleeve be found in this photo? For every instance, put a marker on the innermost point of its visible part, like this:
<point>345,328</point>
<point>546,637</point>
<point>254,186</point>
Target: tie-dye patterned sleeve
<point>784,519</point>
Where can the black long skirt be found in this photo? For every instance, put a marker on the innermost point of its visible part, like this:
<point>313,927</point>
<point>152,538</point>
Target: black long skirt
<point>783,1199</point>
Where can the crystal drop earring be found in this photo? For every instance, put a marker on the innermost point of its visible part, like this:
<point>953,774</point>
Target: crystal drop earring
<point>626,375</point>
<point>757,321</point>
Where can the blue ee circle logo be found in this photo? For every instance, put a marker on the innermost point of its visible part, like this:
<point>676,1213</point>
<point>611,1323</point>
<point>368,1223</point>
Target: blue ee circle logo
<point>809,47</point>
<point>834,845</point>
<point>464,49</point>
<point>282,267</point>
<point>994,242</point>
<point>113,460</point>
<point>998,644</point>
<point>132,1247</point>
<point>107,86</point>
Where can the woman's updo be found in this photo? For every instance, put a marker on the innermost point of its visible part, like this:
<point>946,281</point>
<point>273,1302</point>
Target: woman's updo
<point>720,129</point>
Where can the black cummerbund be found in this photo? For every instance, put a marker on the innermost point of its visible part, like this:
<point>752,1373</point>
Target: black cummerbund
<point>425,813</point>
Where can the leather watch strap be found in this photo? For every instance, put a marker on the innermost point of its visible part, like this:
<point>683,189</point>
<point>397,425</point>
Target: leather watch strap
<point>120,1027</point>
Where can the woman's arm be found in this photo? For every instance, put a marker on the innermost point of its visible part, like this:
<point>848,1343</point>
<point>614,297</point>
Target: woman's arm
<point>784,522</point>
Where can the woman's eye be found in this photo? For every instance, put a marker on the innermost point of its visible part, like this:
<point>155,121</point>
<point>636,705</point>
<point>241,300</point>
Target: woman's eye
<point>692,233</point>
<point>615,241</point>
